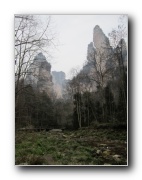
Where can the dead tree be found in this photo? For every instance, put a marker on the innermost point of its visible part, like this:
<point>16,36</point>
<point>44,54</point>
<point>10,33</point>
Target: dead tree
<point>31,37</point>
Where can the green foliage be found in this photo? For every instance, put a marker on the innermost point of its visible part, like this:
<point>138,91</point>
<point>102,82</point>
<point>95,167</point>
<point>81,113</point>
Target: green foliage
<point>102,105</point>
<point>109,105</point>
<point>78,147</point>
<point>35,109</point>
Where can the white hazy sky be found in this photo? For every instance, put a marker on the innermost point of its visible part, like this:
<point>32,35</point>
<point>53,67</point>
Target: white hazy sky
<point>75,32</point>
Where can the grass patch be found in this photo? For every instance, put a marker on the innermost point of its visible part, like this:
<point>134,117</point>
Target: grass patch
<point>79,147</point>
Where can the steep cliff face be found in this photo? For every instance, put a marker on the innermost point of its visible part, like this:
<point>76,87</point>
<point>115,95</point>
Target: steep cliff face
<point>59,83</point>
<point>39,75</point>
<point>99,38</point>
<point>91,52</point>
<point>58,77</point>
<point>104,51</point>
<point>102,59</point>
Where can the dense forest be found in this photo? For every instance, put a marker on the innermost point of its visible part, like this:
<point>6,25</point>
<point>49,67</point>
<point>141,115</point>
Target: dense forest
<point>95,97</point>
<point>80,109</point>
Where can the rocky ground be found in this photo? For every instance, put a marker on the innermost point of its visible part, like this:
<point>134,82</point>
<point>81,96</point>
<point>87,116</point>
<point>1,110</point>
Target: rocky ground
<point>105,147</point>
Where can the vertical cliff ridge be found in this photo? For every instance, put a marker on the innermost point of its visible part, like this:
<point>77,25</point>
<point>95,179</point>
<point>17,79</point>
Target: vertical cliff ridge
<point>39,75</point>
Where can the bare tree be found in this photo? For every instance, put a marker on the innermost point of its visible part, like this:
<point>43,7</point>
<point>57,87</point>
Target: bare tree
<point>31,37</point>
<point>120,32</point>
<point>118,39</point>
<point>74,90</point>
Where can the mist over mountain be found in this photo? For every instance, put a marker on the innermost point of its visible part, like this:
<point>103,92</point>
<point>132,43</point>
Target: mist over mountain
<point>59,82</point>
<point>78,121</point>
<point>39,75</point>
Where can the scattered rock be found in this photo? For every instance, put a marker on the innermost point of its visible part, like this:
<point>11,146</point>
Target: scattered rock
<point>103,145</point>
<point>64,136</point>
<point>55,130</point>
<point>72,135</point>
<point>98,152</point>
<point>106,152</point>
<point>106,164</point>
<point>117,157</point>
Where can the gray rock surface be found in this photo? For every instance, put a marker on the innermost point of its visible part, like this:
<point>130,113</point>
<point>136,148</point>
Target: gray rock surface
<point>59,82</point>
<point>101,58</point>
<point>39,75</point>
<point>55,130</point>
<point>117,157</point>
<point>99,38</point>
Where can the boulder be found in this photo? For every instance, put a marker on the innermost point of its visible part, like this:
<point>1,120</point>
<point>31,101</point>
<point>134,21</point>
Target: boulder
<point>117,157</point>
<point>98,152</point>
<point>55,130</point>
<point>106,152</point>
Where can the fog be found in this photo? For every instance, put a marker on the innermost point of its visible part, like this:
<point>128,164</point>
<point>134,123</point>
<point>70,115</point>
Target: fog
<point>74,33</point>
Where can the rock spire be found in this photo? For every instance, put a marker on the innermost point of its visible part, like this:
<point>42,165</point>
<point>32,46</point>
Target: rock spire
<point>39,75</point>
